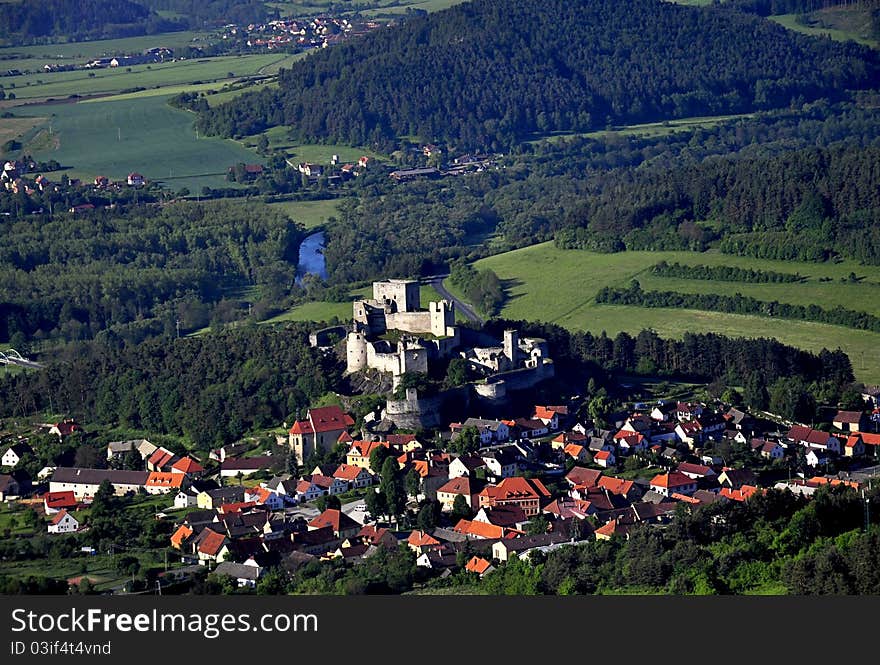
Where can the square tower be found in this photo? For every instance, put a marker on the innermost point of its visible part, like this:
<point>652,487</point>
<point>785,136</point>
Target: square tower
<point>404,293</point>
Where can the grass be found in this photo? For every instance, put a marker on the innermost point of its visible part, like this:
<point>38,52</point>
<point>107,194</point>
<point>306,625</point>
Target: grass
<point>650,129</point>
<point>100,567</point>
<point>146,135</point>
<point>59,85</point>
<point>838,23</point>
<point>310,213</point>
<point>102,48</point>
<point>534,276</point>
<point>13,128</point>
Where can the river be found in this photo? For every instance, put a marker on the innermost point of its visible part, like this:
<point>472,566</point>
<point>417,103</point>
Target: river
<point>311,257</point>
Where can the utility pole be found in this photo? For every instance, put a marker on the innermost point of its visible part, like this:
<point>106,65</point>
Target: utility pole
<point>178,328</point>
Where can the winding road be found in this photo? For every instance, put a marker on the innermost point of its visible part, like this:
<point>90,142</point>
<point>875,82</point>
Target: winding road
<point>467,311</point>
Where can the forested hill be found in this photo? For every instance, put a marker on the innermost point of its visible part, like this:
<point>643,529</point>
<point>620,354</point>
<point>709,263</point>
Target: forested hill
<point>486,73</point>
<point>25,21</point>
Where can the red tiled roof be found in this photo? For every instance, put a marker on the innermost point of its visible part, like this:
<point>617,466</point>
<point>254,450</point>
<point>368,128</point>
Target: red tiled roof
<point>616,485</point>
<point>479,529</point>
<point>60,515</point>
<point>579,476</point>
<point>56,500</point>
<point>673,479</point>
<point>347,472</point>
<point>602,455</point>
<point>161,457</point>
<point>460,485</point>
<point>477,565</point>
<point>847,417</point>
<point>334,518</point>
<point>516,487</point>
<point>178,537</point>
<point>698,469</point>
<point>212,543</point>
<point>329,418</point>
<point>302,427</point>
<point>685,498</point>
<point>611,528</point>
<point>400,439</point>
<point>743,493</point>
<point>573,449</point>
<point>162,479</point>
<point>187,465</point>
<point>421,539</point>
<point>366,448</point>
<point>870,439</point>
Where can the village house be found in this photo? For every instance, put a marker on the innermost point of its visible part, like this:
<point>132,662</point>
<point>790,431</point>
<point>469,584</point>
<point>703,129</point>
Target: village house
<point>85,482</point>
<point>503,462</point>
<point>552,416</point>
<point>214,498</point>
<point>356,477</point>
<point>850,421</point>
<point>667,484</point>
<point>462,485</point>
<point>422,541</point>
<point>479,565</point>
<point>66,427</point>
<point>12,456</point>
<point>8,487</point>
<point>246,466</point>
<point>491,431</point>
<point>63,522</point>
<point>605,458</point>
<point>772,450</point>
<point>696,471</point>
<point>319,431</point>
<point>159,482</point>
<point>527,494</point>
<point>188,466</point>
<point>329,485</point>
<point>161,460</point>
<point>360,451</point>
<point>854,446</point>
<point>264,497</point>
<point>342,525</point>
<point>245,574</point>
<point>466,466</point>
<point>736,478</point>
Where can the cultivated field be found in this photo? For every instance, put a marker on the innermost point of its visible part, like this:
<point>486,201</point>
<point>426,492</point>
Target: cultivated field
<point>59,85</point>
<point>113,138</point>
<point>559,286</point>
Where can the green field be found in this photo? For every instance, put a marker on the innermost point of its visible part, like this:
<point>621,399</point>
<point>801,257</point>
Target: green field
<point>101,48</point>
<point>309,213</point>
<point>559,286</point>
<point>839,23</point>
<point>113,138</point>
<point>316,153</point>
<point>59,85</point>
<point>314,7</point>
<point>13,128</point>
<point>649,129</point>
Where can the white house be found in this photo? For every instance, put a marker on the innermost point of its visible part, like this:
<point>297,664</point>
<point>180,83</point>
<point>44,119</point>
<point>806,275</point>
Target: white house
<point>14,453</point>
<point>306,490</point>
<point>605,458</point>
<point>186,498</point>
<point>816,457</point>
<point>63,522</point>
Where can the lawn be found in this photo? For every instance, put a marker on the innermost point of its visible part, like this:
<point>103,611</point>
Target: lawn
<point>146,135</point>
<point>309,213</point>
<point>535,293</point>
<point>14,128</point>
<point>59,85</point>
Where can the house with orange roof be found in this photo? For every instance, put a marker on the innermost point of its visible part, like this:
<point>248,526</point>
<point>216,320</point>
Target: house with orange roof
<point>479,565</point>
<point>625,488</point>
<point>360,451</point>
<point>561,440</point>
<point>871,443</point>
<point>581,477</point>
<point>667,484</point>
<point>159,482</point>
<point>161,460</point>
<point>421,541</point>
<point>482,530</point>
<point>612,528</point>
<point>181,536</point>
<point>605,458</point>
<point>262,496</point>
<point>54,502</point>
<point>631,442</point>
<point>355,476</point>
<point>742,494</point>
<point>329,485</point>
<point>854,446</point>
<point>308,490</point>
<point>378,536</point>
<point>187,465</point>
<point>550,415</point>
<point>63,522</point>
<point>319,431</point>
<point>567,508</point>
<point>469,488</point>
<point>211,546</point>
<point>577,452</point>
<point>526,493</point>
<point>684,498</point>
<point>343,526</point>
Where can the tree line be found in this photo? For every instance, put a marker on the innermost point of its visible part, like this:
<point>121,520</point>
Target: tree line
<point>737,304</point>
<point>460,76</point>
<point>723,273</point>
<point>480,287</point>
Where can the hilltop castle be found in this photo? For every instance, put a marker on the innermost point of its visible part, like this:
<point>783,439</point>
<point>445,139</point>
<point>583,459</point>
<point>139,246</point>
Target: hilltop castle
<point>391,333</point>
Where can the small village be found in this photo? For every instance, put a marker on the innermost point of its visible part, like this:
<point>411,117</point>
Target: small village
<point>469,494</point>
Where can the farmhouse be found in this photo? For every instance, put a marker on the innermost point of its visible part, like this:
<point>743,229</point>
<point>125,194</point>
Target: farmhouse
<point>319,431</point>
<point>85,482</point>
<point>63,522</point>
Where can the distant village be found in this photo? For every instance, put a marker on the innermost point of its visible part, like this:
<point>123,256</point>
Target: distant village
<point>531,481</point>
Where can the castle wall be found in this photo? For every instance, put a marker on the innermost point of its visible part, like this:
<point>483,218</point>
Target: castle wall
<point>412,322</point>
<point>325,336</point>
<point>416,412</point>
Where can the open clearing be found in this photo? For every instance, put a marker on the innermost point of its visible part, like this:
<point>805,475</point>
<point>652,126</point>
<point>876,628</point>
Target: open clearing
<point>649,129</point>
<point>840,23</point>
<point>309,213</point>
<point>559,286</point>
<point>146,135</point>
<point>13,128</point>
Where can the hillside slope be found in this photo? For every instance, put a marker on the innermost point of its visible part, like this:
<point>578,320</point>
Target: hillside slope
<point>486,73</point>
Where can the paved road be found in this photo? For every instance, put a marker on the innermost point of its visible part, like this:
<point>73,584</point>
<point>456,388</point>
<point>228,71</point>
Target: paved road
<point>356,510</point>
<point>461,306</point>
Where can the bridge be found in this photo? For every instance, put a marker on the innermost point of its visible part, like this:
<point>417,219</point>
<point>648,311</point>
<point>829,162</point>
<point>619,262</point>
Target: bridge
<point>13,357</point>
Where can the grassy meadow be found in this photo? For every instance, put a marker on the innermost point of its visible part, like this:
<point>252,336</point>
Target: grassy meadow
<point>559,286</point>
<point>840,23</point>
<point>310,213</point>
<point>113,138</point>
